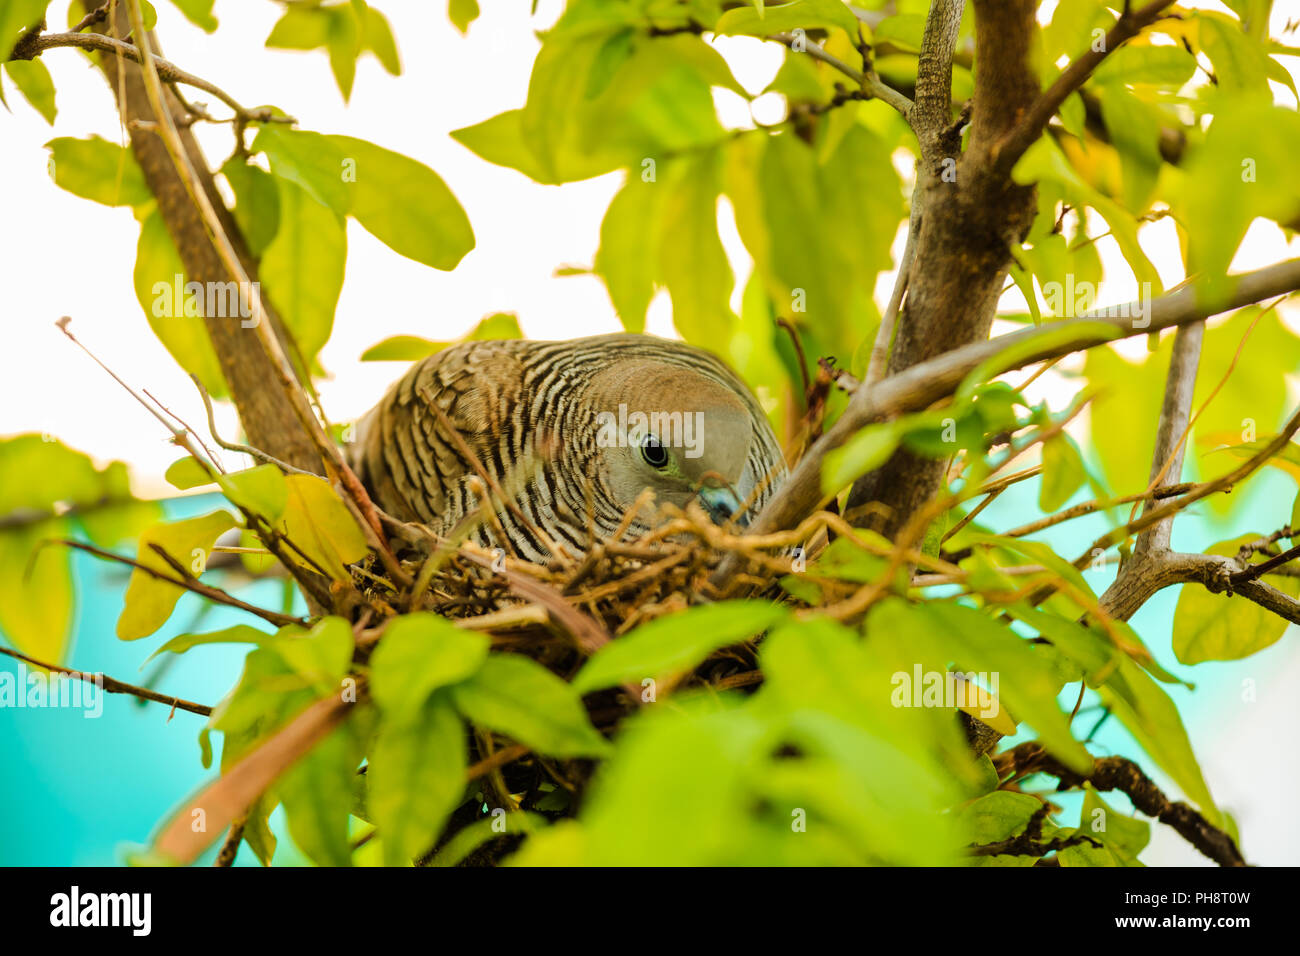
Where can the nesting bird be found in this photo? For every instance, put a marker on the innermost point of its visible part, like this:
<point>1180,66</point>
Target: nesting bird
<point>565,437</point>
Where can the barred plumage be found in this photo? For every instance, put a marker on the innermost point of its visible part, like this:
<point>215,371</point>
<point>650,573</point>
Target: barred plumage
<point>555,426</point>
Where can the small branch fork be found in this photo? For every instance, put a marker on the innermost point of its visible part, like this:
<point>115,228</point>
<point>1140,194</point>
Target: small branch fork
<point>1122,774</point>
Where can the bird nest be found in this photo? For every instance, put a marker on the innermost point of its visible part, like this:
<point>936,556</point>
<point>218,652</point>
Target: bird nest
<point>561,612</point>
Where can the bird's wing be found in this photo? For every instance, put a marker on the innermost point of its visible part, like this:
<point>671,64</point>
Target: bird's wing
<point>414,465</point>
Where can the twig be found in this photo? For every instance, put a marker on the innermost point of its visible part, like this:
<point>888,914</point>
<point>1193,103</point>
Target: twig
<point>1036,118</point>
<point>230,849</point>
<point>187,582</point>
<point>255,453</point>
<point>167,72</point>
<point>1120,773</point>
<point>113,686</point>
<point>869,82</point>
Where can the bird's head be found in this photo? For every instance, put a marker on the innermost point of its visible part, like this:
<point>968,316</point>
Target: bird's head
<point>678,432</point>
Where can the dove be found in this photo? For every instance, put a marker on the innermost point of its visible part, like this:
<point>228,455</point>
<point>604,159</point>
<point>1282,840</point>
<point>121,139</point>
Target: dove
<point>563,438</point>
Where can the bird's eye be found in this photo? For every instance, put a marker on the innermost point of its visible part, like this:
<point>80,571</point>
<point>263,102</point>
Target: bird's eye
<point>655,454</point>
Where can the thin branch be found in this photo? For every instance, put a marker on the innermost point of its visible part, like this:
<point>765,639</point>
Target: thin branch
<point>1200,491</point>
<point>868,82</point>
<point>921,385</point>
<point>114,686</point>
<point>1120,773</point>
<point>1175,416</point>
<point>255,453</point>
<point>1264,567</point>
<point>1040,112</point>
<point>168,72</point>
<point>186,581</point>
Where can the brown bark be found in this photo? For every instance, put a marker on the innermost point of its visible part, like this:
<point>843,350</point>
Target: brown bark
<point>268,418</point>
<point>971,216</point>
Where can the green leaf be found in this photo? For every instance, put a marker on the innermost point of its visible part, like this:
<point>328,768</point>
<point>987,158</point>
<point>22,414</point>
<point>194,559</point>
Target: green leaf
<point>198,12</point>
<point>98,170</point>
<point>462,13</point>
<point>817,222</point>
<point>500,140</point>
<point>261,490</point>
<point>377,38</point>
<point>302,268</point>
<point>317,796</point>
<point>416,777</point>
<point>321,657</point>
<point>1124,836</point>
<point>344,46</point>
<point>301,28</point>
<point>418,654</point>
<point>39,471</point>
<point>589,112</point>
<point>186,473</point>
<point>174,307</point>
<point>307,159</point>
<point>675,643</point>
<point>996,817</point>
<point>402,348</point>
<point>517,696</point>
<point>798,14</point>
<point>257,203</point>
<point>1241,65</point>
<point>1146,64</point>
<point>239,634</point>
<point>405,205</point>
<point>1134,128</point>
<point>1063,472</point>
<point>865,451</point>
<point>36,595</point>
<point>319,524</point>
<point>1045,162</point>
<point>1019,675</point>
<point>692,261</point>
<point>149,601</point>
<point>1146,709</point>
<point>411,348</point>
<point>1234,177</point>
<point>34,82</point>
<point>819,665</point>
<point>1219,627</point>
<point>625,259</point>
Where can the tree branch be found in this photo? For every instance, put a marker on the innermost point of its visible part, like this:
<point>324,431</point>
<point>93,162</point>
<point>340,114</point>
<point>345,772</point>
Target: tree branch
<point>267,418</point>
<point>1175,414</point>
<point>168,72</point>
<point>868,82</point>
<point>113,686</point>
<point>1122,774</point>
<point>1036,118</point>
<point>921,385</point>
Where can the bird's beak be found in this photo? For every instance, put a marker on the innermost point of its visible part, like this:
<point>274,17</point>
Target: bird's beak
<point>721,503</point>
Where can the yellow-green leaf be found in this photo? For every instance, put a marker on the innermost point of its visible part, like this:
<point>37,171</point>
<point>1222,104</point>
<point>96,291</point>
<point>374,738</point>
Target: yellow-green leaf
<point>149,601</point>
<point>318,523</point>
